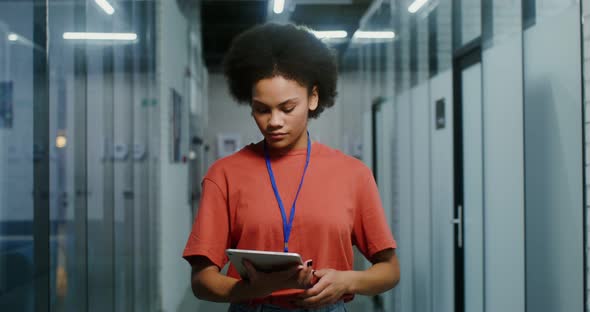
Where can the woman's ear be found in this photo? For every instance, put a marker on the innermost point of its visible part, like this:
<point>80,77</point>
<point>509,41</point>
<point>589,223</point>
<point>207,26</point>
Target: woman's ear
<point>314,99</point>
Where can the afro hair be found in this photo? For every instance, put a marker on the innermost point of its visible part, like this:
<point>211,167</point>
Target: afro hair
<point>270,50</point>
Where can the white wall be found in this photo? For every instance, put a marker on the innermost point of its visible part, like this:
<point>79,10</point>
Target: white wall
<point>327,128</point>
<point>404,183</point>
<point>351,106</point>
<point>421,234</point>
<point>503,154</point>
<point>385,153</point>
<point>227,116</point>
<point>442,196</point>
<point>554,165</point>
<point>423,200</point>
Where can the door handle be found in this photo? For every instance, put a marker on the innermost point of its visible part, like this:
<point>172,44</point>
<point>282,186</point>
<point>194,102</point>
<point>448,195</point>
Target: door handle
<point>459,223</point>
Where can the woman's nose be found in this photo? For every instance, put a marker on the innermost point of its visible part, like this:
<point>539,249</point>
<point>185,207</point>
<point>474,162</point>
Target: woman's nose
<point>276,120</point>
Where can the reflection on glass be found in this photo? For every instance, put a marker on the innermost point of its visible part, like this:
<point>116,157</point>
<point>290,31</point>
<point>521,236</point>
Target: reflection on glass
<point>470,20</point>
<point>18,258</point>
<point>98,142</point>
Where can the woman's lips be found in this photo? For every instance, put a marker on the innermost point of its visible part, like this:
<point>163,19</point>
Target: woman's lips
<point>276,136</point>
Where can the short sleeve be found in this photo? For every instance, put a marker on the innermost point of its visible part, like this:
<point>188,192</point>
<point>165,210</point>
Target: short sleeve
<point>209,236</point>
<point>371,232</point>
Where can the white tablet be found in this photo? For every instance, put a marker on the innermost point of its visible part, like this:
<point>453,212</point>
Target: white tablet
<point>264,261</point>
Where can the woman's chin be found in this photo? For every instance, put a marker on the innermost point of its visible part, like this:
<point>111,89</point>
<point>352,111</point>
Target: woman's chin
<point>279,145</point>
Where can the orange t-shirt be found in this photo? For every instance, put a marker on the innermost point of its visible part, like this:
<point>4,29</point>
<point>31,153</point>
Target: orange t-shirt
<point>338,207</point>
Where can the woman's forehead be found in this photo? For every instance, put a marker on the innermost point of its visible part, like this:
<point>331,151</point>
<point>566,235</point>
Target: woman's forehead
<point>277,86</point>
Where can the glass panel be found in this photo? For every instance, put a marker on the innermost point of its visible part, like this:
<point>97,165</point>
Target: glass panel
<point>389,70</point>
<point>24,151</point>
<point>473,188</point>
<point>470,20</point>
<point>144,152</point>
<point>101,201</point>
<point>80,157</point>
<point>67,105</point>
<point>506,21</point>
<point>123,133</point>
<point>104,109</point>
<point>413,25</point>
<point>507,17</point>
<point>444,28</point>
<point>423,66</point>
<point>403,39</point>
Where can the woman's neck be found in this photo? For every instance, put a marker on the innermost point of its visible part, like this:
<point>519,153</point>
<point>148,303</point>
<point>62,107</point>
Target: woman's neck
<point>300,144</point>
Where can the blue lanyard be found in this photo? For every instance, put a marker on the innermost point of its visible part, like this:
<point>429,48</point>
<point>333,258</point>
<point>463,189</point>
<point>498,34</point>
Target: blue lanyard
<point>286,225</point>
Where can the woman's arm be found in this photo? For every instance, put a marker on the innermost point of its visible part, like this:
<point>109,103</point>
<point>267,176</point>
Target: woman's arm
<point>209,284</point>
<point>383,275</point>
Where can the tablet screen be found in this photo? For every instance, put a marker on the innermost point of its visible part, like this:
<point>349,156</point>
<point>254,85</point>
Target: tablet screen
<point>263,261</point>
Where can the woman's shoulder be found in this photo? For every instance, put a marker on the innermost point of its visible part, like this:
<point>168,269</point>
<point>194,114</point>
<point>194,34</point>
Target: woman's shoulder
<point>335,158</point>
<point>243,158</point>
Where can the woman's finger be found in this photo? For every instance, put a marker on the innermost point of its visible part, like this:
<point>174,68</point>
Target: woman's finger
<point>329,299</point>
<point>308,277</point>
<point>318,300</point>
<point>315,290</point>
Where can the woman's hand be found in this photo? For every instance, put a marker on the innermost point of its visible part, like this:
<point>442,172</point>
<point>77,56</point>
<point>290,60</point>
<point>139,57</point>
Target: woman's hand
<point>265,283</point>
<point>329,289</point>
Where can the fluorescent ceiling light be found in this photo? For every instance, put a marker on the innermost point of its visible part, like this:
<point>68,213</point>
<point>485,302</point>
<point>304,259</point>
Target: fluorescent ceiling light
<point>416,5</point>
<point>99,36</point>
<point>106,6</point>
<point>13,37</point>
<point>374,34</point>
<point>279,6</point>
<point>333,34</point>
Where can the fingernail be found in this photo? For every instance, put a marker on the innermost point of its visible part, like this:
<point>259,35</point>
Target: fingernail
<point>309,263</point>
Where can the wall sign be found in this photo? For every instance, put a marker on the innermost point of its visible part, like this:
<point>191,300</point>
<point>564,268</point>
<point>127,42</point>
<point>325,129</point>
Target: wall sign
<point>6,101</point>
<point>440,120</point>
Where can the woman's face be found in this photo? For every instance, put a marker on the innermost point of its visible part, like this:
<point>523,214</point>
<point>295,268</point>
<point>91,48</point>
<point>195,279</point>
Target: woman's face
<point>280,107</point>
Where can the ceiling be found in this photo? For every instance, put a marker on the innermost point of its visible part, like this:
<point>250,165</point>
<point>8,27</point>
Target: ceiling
<point>222,20</point>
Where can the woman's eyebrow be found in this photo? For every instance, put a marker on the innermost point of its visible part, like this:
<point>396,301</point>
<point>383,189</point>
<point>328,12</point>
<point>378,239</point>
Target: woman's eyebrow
<point>257,102</point>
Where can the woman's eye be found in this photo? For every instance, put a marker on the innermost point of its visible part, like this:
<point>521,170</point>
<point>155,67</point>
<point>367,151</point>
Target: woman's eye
<point>288,109</point>
<point>261,110</point>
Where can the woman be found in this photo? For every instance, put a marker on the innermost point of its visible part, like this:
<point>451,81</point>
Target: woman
<point>287,193</point>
